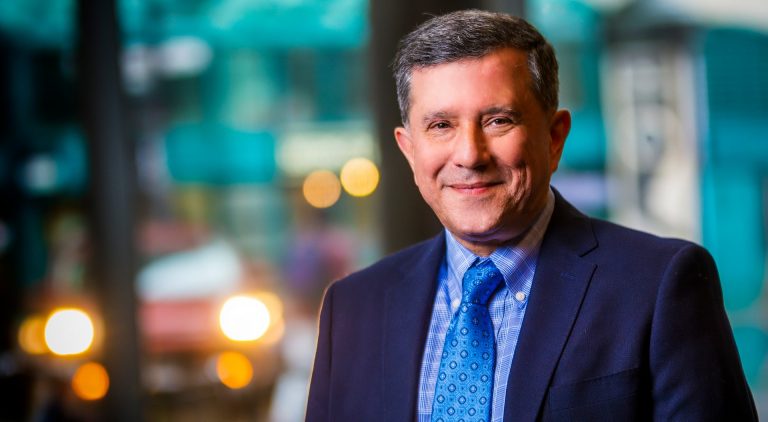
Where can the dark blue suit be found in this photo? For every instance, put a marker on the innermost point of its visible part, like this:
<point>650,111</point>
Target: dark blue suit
<point>620,325</point>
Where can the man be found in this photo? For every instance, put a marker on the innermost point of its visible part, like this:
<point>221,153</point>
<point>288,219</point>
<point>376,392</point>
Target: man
<point>523,308</point>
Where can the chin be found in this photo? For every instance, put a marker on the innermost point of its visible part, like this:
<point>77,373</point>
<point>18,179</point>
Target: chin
<point>477,232</point>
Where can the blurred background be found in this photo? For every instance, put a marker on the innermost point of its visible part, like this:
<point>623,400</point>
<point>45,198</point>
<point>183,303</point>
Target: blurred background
<point>181,179</point>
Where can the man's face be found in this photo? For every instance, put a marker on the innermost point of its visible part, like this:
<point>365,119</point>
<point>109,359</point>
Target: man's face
<point>481,147</point>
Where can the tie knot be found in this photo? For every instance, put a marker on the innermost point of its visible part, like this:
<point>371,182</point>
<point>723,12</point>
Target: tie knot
<point>480,281</point>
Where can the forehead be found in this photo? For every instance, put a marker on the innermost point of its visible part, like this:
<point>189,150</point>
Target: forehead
<point>500,74</point>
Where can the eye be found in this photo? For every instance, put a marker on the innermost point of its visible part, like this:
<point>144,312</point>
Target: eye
<point>442,125</point>
<point>499,121</point>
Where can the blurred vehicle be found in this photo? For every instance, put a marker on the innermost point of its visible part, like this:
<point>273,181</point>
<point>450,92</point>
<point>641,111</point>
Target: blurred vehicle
<point>206,329</point>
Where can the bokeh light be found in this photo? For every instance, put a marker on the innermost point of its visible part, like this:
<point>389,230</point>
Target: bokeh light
<point>359,177</point>
<point>244,318</point>
<point>32,335</point>
<point>272,302</point>
<point>68,332</point>
<point>234,370</point>
<point>277,324</point>
<point>321,189</point>
<point>274,334</point>
<point>91,381</point>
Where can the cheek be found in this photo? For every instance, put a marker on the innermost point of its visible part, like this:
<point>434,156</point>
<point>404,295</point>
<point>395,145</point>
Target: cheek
<point>534,155</point>
<point>523,165</point>
<point>427,165</point>
<point>512,156</point>
<point>421,174</point>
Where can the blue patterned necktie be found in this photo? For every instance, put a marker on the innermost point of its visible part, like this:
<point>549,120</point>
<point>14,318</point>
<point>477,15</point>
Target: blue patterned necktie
<point>465,379</point>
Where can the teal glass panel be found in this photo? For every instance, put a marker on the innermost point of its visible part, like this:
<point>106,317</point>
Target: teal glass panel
<point>40,22</point>
<point>574,29</point>
<point>240,24</point>
<point>752,342</point>
<point>217,154</point>
<point>736,159</point>
<point>733,231</point>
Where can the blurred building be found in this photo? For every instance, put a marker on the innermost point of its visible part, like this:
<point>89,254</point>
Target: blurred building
<point>237,158</point>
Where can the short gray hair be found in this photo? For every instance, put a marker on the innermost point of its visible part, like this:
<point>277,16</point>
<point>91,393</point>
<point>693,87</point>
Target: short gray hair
<point>473,34</point>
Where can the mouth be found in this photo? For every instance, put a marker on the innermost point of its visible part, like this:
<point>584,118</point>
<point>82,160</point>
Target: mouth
<point>476,188</point>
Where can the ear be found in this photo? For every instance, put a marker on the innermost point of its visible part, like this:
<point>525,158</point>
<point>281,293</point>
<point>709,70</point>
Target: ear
<point>559,127</point>
<point>405,143</point>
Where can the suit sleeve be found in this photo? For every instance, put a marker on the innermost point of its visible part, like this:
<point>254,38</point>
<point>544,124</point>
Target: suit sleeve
<point>696,372</point>
<point>319,388</point>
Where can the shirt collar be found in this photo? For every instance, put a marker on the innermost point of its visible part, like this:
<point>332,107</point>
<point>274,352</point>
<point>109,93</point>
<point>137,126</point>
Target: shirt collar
<point>512,260</point>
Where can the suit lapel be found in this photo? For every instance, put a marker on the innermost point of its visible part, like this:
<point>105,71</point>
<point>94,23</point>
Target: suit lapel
<point>560,283</point>
<point>408,309</point>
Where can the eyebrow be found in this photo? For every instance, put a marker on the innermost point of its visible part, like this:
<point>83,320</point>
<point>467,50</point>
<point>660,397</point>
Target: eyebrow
<point>438,115</point>
<point>509,111</point>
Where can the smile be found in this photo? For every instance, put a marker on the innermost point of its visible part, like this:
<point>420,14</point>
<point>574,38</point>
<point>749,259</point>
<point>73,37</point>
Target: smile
<point>473,188</point>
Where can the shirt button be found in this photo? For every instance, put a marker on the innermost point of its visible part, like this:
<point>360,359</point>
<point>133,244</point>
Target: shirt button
<point>455,304</point>
<point>520,296</point>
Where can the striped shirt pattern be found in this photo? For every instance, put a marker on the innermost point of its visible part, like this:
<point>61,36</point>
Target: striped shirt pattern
<point>507,308</point>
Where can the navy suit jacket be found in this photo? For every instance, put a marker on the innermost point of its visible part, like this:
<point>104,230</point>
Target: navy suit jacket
<point>620,325</point>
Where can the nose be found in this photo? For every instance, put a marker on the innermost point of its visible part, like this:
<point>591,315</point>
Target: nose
<point>471,148</point>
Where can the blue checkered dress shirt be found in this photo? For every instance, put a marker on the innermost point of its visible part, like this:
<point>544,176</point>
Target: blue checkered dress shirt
<point>507,308</point>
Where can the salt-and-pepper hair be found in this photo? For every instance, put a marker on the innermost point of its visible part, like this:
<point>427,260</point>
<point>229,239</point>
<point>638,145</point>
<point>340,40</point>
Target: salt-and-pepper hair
<point>471,34</point>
